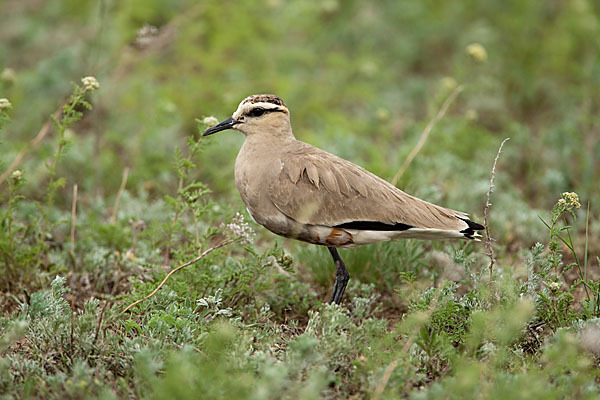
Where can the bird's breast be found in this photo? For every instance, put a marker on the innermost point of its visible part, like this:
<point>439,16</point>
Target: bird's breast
<point>252,178</point>
<point>254,175</point>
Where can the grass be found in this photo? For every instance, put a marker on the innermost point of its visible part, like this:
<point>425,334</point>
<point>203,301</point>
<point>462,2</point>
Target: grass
<point>420,320</point>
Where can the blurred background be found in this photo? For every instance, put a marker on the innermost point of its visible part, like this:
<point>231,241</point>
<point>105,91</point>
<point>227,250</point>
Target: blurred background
<point>362,80</point>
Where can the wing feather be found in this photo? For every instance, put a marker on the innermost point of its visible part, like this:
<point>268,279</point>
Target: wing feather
<point>312,173</point>
<point>331,191</point>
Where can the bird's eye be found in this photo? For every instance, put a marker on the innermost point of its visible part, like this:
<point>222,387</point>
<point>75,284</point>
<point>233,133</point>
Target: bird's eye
<point>257,112</point>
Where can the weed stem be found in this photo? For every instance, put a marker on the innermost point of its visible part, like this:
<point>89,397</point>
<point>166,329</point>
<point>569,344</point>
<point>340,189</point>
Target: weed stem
<point>204,253</point>
<point>489,250</point>
<point>113,217</point>
<point>440,114</point>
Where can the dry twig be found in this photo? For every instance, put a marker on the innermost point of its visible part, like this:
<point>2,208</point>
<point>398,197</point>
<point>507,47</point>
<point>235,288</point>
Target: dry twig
<point>204,253</point>
<point>440,114</point>
<point>489,251</point>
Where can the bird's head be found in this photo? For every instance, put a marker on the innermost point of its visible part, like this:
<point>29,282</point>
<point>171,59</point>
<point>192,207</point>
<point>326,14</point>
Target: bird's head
<point>264,114</point>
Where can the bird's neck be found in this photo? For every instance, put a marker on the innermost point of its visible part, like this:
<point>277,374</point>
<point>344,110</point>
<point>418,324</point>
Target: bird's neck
<point>271,136</point>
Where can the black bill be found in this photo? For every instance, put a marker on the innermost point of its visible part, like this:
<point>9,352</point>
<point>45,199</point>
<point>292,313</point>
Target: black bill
<point>227,124</point>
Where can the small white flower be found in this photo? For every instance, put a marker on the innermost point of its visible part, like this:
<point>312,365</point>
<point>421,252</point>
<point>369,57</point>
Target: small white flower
<point>5,104</point>
<point>17,174</point>
<point>90,83</point>
<point>554,285</point>
<point>210,121</point>
<point>146,35</point>
<point>477,52</point>
<point>572,199</point>
<point>239,227</point>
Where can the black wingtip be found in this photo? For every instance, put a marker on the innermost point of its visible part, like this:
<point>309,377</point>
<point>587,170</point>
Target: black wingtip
<point>475,226</point>
<point>471,231</point>
<point>374,226</point>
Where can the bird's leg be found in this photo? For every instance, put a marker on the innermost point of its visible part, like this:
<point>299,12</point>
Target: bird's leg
<point>341,277</point>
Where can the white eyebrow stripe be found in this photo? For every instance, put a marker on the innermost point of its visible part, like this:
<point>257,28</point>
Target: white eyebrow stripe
<point>263,105</point>
<point>245,107</point>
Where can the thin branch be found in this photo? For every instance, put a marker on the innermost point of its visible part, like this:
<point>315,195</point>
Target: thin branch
<point>204,253</point>
<point>73,218</point>
<point>113,217</point>
<point>440,114</point>
<point>489,250</point>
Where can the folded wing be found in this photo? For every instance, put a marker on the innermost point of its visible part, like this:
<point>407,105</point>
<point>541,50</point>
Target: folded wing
<point>318,188</point>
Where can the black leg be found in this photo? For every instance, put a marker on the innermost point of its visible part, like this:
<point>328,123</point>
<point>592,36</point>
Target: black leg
<point>341,277</point>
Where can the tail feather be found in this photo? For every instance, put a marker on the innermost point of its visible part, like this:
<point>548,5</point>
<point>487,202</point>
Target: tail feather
<point>471,231</point>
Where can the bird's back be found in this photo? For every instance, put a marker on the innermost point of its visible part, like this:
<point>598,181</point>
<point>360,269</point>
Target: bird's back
<point>312,187</point>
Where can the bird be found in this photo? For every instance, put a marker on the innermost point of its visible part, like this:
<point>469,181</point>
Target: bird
<point>299,191</point>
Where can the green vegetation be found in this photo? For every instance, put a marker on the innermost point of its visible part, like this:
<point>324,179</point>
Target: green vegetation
<point>107,187</point>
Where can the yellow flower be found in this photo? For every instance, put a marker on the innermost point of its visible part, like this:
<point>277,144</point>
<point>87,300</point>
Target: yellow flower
<point>382,114</point>
<point>471,114</point>
<point>448,82</point>
<point>130,256</point>
<point>8,75</point>
<point>477,52</point>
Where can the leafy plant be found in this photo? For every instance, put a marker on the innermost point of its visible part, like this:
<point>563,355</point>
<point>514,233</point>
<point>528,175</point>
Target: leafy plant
<point>547,274</point>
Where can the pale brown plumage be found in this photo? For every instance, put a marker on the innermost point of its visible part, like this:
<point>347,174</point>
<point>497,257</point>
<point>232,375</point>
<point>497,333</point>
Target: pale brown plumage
<point>297,190</point>
<point>342,192</point>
